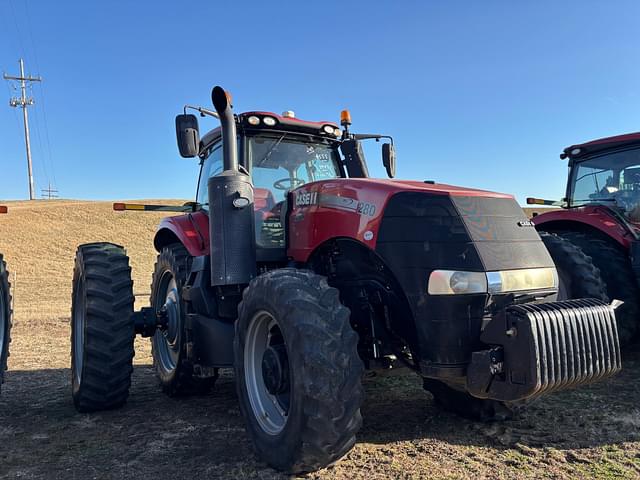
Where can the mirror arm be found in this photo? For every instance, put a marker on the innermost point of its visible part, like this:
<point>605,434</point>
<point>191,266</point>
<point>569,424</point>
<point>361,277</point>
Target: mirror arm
<point>203,111</point>
<point>368,136</point>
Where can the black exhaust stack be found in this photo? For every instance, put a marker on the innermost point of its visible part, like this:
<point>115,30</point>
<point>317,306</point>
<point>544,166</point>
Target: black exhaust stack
<point>231,218</point>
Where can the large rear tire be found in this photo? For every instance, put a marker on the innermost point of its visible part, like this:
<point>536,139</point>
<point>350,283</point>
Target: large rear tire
<point>5,317</point>
<point>102,327</point>
<point>298,373</point>
<point>169,344</point>
<point>578,276</point>
<point>620,282</point>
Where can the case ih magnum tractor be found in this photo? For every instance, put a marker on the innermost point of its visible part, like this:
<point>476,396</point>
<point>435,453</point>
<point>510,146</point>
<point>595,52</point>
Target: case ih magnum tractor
<point>601,216</point>
<point>299,272</point>
<point>5,313</point>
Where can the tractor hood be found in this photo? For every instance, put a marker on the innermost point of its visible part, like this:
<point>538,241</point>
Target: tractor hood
<point>416,228</point>
<point>417,224</point>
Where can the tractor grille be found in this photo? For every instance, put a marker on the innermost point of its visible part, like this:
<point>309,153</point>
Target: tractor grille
<point>575,342</point>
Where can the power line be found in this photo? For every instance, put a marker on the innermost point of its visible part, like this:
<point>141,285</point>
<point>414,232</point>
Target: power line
<point>37,128</point>
<point>15,21</point>
<point>24,102</point>
<point>50,193</point>
<point>42,95</point>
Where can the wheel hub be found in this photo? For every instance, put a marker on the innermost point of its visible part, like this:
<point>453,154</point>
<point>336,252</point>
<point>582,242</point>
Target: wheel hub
<point>171,315</point>
<point>167,338</point>
<point>275,369</point>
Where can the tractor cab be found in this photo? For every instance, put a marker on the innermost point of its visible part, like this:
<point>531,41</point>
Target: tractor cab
<point>605,174</point>
<point>280,153</point>
<point>280,157</point>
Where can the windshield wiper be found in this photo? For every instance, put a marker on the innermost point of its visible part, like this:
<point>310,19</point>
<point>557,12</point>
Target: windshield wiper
<point>267,155</point>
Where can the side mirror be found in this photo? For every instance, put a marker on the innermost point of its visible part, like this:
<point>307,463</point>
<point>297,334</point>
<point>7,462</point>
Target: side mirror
<point>389,159</point>
<point>188,135</point>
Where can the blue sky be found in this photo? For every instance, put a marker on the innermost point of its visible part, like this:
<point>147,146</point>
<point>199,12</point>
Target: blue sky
<point>480,94</point>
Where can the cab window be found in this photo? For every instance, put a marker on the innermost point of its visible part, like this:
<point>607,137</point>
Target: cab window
<point>279,164</point>
<point>211,166</point>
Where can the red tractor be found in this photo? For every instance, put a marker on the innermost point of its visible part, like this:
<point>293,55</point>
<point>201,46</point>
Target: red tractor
<point>5,313</point>
<point>601,216</point>
<point>300,272</point>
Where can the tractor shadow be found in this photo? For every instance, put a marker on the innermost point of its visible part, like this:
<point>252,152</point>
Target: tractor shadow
<point>157,436</point>
<point>398,409</point>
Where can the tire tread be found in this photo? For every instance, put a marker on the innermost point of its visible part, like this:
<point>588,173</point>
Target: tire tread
<point>109,334</point>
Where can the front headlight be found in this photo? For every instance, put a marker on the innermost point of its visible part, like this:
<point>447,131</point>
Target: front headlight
<point>519,280</point>
<point>451,282</point>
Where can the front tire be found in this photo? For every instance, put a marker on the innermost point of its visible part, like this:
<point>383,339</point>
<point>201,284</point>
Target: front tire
<point>168,345</point>
<point>5,317</point>
<point>578,276</point>
<point>102,328</point>
<point>620,282</point>
<point>298,373</point>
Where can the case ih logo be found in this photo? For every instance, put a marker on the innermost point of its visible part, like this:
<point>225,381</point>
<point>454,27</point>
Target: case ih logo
<point>525,223</point>
<point>304,199</point>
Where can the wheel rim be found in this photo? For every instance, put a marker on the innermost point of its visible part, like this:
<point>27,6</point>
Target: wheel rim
<point>167,339</point>
<point>266,373</point>
<point>79,323</point>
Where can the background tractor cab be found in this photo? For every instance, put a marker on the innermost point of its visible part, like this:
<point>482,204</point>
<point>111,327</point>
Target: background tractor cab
<point>280,153</point>
<point>601,216</point>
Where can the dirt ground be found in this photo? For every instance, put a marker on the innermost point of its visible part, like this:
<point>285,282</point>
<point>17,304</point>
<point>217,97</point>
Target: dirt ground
<point>591,432</point>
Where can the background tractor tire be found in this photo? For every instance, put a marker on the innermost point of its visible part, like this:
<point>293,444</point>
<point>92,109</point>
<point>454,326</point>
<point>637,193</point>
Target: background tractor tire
<point>298,373</point>
<point>615,269</point>
<point>168,345</point>
<point>461,403</point>
<point>102,328</point>
<point>579,277</point>
<point>5,317</point>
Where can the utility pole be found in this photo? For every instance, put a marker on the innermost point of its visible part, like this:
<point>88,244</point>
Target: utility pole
<point>49,193</point>
<point>24,102</point>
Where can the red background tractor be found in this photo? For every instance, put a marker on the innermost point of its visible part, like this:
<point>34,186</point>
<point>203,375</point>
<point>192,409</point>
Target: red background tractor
<point>601,216</point>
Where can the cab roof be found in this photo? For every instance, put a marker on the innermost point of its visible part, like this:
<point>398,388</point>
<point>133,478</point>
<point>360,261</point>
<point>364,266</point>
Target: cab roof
<point>608,143</point>
<point>281,123</point>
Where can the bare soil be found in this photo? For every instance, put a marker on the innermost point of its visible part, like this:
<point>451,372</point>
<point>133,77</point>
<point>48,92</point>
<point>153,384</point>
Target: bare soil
<point>592,432</point>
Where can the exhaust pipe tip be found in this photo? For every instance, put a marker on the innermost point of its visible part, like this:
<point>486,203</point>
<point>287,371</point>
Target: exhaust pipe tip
<point>220,99</point>
<point>222,103</point>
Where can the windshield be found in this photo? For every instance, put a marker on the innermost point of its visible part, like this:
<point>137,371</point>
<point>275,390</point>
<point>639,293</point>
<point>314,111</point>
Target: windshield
<point>279,164</point>
<point>612,178</point>
<point>283,162</point>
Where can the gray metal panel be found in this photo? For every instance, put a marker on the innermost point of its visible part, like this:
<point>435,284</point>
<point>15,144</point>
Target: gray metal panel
<point>231,229</point>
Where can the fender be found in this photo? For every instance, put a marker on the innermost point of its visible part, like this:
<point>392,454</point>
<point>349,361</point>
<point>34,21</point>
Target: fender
<point>192,230</point>
<point>587,217</point>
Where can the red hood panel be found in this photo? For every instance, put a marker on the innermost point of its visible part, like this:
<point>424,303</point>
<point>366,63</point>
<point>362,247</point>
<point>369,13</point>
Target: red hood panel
<point>352,208</point>
<point>394,186</point>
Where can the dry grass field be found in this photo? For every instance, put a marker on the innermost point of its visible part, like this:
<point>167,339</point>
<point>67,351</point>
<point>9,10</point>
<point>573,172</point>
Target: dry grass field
<point>587,433</point>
